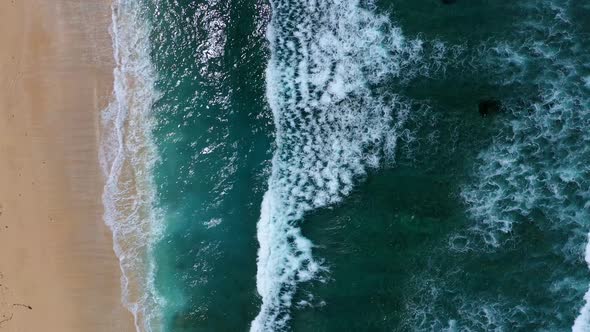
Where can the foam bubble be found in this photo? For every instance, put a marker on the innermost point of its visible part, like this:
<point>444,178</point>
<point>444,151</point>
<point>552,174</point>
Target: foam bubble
<point>212,223</point>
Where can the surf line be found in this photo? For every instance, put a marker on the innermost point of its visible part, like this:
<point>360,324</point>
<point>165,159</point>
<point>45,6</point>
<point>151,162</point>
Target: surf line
<point>331,128</point>
<point>127,157</point>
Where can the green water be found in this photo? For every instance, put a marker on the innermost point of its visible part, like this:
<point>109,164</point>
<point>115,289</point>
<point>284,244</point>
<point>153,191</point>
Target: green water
<point>404,251</point>
<point>215,139</point>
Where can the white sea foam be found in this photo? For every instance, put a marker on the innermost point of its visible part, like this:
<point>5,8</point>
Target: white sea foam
<point>473,313</point>
<point>536,167</point>
<point>582,322</point>
<point>327,57</point>
<point>127,156</point>
<point>529,164</point>
<point>212,223</point>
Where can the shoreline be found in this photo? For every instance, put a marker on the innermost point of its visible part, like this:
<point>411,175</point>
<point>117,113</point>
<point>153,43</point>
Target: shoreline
<point>58,270</point>
<point>127,158</point>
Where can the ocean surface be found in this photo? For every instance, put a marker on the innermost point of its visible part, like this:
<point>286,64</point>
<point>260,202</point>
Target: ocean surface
<point>351,165</point>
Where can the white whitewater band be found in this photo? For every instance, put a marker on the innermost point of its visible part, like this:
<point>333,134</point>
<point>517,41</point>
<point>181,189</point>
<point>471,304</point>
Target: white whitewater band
<point>326,59</point>
<point>127,156</point>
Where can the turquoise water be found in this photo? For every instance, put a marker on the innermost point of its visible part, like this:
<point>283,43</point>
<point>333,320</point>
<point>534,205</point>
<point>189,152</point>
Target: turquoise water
<point>215,136</point>
<point>322,165</point>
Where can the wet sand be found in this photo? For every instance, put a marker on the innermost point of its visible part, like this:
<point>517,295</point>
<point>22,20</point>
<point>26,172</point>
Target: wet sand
<point>58,271</point>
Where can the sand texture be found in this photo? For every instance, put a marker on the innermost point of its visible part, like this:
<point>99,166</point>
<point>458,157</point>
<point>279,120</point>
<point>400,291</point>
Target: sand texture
<point>58,271</point>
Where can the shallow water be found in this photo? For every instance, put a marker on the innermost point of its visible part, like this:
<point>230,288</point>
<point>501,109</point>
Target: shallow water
<point>322,166</point>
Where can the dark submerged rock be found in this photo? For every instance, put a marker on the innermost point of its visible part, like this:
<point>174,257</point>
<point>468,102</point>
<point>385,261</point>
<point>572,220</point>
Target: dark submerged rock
<point>448,2</point>
<point>489,107</point>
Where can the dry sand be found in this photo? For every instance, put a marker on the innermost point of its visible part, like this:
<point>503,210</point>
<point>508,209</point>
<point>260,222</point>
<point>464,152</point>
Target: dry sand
<point>56,254</point>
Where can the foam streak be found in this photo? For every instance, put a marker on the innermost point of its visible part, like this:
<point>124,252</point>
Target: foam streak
<point>127,155</point>
<point>326,59</point>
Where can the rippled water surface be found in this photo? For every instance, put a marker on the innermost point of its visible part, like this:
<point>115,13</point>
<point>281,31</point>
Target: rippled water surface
<point>325,166</point>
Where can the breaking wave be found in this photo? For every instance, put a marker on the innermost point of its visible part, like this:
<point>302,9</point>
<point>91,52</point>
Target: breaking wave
<point>334,119</point>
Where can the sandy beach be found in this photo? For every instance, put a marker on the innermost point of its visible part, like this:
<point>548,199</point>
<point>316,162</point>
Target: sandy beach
<point>58,271</point>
